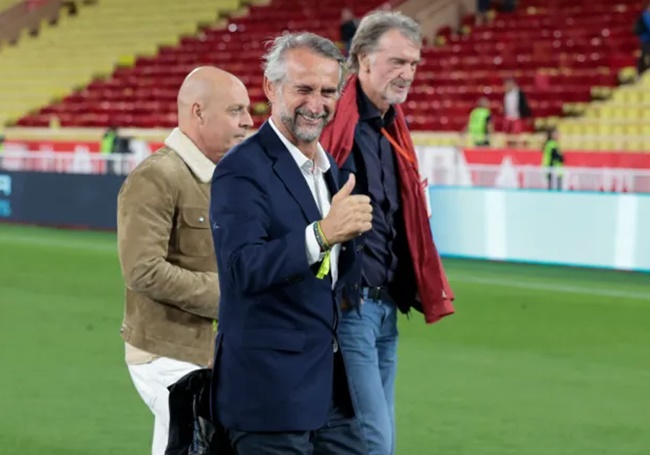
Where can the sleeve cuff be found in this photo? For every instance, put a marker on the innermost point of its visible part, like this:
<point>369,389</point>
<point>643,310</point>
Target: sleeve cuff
<point>314,254</point>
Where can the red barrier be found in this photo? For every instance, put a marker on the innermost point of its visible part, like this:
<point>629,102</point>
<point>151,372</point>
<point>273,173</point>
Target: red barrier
<point>628,160</point>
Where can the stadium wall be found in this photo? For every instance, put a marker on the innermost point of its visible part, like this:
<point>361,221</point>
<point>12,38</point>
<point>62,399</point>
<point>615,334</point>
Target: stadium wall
<point>82,201</point>
<point>568,228</point>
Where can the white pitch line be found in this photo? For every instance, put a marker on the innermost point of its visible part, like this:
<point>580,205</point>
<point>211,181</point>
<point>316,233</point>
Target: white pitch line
<point>35,239</point>
<point>552,287</point>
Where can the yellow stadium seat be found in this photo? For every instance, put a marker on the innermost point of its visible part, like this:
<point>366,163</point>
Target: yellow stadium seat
<point>630,113</point>
<point>540,123</point>
<point>589,144</point>
<point>608,144</point>
<point>635,144</point>
<point>126,60</point>
<point>607,112</point>
<point>604,129</point>
<point>101,36</point>
<point>569,127</point>
<point>590,130</point>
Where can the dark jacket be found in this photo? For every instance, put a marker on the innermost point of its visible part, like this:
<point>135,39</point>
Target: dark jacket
<point>191,429</point>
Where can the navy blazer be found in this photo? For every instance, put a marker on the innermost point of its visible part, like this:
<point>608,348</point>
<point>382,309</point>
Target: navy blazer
<point>274,351</point>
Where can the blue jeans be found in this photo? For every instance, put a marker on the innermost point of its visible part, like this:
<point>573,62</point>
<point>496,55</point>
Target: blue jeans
<point>369,346</point>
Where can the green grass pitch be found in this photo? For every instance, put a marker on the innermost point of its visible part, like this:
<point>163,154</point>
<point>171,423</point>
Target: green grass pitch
<point>538,360</point>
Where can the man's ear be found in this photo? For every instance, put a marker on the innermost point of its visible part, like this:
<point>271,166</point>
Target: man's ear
<point>270,90</point>
<point>197,111</point>
<point>364,63</point>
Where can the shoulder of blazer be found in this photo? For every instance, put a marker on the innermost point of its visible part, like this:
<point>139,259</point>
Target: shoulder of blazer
<point>247,153</point>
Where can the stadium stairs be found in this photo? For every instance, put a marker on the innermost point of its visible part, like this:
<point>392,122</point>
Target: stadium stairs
<point>82,48</point>
<point>144,95</point>
<point>619,123</point>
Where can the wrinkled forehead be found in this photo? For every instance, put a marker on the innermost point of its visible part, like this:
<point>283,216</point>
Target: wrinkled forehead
<point>309,69</point>
<point>394,44</point>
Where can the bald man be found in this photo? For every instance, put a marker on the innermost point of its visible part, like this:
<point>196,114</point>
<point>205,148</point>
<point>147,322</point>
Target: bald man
<point>165,244</point>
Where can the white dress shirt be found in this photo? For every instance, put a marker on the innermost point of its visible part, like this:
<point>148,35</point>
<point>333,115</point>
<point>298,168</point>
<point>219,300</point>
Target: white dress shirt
<point>511,101</point>
<point>313,172</point>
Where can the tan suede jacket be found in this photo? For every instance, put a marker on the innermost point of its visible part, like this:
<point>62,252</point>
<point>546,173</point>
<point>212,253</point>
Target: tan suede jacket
<point>167,255</point>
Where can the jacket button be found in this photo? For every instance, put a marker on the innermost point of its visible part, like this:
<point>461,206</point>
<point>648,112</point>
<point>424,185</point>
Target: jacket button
<point>343,248</point>
<point>201,219</point>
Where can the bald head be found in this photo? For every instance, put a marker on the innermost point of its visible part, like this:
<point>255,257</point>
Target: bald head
<point>213,110</point>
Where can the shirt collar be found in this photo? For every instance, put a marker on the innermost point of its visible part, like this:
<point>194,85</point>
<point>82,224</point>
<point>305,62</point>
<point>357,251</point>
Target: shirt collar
<point>198,163</point>
<point>304,163</point>
<point>369,112</point>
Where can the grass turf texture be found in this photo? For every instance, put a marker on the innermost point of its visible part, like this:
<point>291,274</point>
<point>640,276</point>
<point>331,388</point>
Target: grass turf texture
<point>537,360</point>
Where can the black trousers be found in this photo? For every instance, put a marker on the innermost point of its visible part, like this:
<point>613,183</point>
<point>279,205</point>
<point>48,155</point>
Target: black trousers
<point>554,182</point>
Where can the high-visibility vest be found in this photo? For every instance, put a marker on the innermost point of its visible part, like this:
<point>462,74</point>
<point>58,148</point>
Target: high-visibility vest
<point>108,141</point>
<point>478,121</point>
<point>547,157</point>
<point>548,160</point>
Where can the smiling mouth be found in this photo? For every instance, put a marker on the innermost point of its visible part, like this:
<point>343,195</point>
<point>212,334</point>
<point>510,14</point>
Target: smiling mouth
<point>311,120</point>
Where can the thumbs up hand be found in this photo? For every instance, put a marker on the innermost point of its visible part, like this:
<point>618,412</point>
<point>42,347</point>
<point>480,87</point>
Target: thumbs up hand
<point>349,216</point>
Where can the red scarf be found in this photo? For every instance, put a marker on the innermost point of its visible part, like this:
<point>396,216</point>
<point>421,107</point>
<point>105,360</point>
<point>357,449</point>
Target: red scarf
<point>338,138</point>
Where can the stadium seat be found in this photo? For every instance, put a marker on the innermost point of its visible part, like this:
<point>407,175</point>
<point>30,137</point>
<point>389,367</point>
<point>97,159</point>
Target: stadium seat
<point>79,49</point>
<point>559,53</point>
<point>620,123</point>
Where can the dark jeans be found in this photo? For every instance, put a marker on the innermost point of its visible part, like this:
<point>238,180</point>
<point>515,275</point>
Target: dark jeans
<point>341,435</point>
<point>554,181</point>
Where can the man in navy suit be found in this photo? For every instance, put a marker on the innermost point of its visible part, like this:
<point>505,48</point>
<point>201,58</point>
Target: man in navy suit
<point>284,235</point>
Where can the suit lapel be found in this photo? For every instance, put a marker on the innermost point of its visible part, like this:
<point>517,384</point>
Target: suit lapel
<point>287,170</point>
<point>330,181</point>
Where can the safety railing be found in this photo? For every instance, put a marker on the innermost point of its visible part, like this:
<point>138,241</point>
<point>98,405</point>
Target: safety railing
<point>456,174</point>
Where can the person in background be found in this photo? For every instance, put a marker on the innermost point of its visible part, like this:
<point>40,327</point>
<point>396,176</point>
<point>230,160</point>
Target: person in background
<point>508,6</point>
<point>642,30</point>
<point>107,144</point>
<point>107,147</point>
<point>349,25</point>
<point>482,10</point>
<point>399,268</point>
<point>480,126</point>
<point>553,160</point>
<point>165,245</point>
<point>515,108</point>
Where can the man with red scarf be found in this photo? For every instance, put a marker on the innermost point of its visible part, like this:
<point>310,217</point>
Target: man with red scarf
<point>399,268</point>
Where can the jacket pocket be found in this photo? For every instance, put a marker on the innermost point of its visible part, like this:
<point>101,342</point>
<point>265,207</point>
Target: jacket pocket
<point>279,340</point>
<point>194,235</point>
